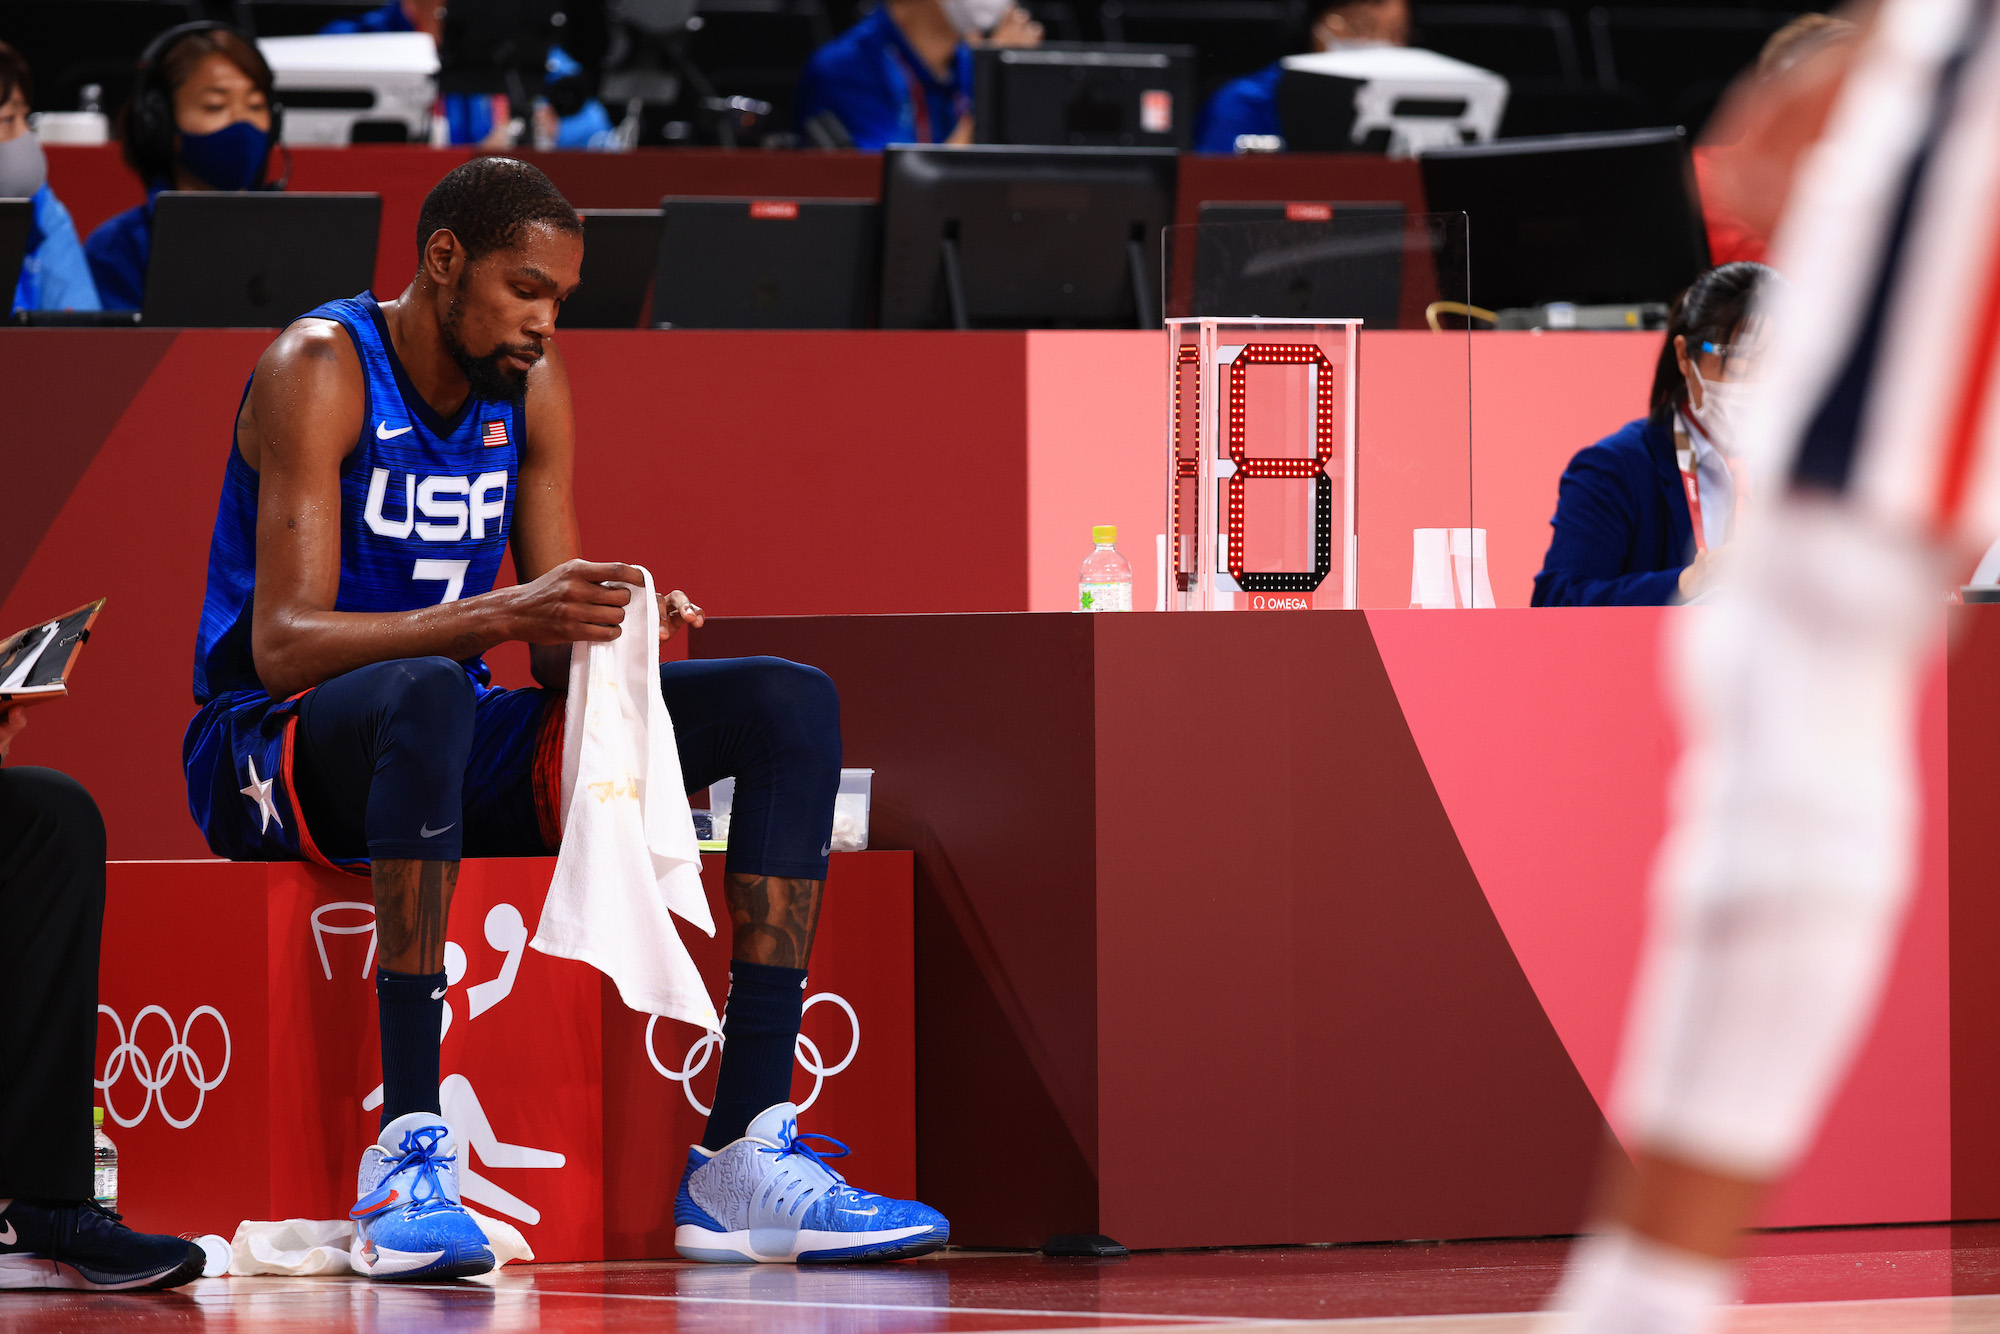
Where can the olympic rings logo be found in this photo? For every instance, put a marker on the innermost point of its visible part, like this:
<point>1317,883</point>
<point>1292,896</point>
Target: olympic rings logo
<point>155,1078</point>
<point>807,1051</point>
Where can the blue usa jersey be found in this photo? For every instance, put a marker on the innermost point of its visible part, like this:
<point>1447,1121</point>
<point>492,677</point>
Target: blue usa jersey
<point>426,504</point>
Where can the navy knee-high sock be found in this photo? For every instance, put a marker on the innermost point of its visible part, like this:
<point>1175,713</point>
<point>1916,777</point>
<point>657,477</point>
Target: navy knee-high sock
<point>411,1008</point>
<point>760,1028</point>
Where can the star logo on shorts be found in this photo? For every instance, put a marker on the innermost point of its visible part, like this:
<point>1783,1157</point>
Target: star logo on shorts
<point>259,791</point>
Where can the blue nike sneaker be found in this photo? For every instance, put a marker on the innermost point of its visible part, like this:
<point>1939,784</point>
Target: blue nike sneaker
<point>770,1198</point>
<point>409,1223</point>
<point>82,1246</point>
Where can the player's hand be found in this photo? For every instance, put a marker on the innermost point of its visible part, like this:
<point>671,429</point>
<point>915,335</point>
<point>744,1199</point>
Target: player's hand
<point>1016,27</point>
<point>573,603</point>
<point>676,611</point>
<point>12,720</point>
<point>1702,573</point>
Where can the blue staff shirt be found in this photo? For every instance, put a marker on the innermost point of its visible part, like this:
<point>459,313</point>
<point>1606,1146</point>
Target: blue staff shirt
<point>881,90</point>
<point>1248,105</point>
<point>118,252</point>
<point>54,274</point>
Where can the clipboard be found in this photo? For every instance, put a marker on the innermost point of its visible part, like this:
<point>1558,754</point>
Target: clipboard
<point>35,664</point>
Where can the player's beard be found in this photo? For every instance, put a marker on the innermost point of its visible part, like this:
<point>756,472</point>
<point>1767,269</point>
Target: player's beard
<point>491,376</point>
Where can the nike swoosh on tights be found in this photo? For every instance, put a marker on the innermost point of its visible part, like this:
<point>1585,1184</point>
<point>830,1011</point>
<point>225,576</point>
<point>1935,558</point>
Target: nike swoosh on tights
<point>429,832</point>
<point>8,1235</point>
<point>382,431</point>
<point>438,994</point>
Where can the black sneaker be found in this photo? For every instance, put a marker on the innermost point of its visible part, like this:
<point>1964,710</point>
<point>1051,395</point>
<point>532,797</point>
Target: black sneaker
<point>79,1244</point>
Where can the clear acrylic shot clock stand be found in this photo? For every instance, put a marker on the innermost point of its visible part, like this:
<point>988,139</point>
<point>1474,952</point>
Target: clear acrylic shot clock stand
<point>1261,464</point>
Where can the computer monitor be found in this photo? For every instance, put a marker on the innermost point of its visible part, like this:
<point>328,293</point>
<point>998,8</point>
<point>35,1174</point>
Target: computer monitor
<point>364,87</point>
<point>17,216</point>
<point>621,247</point>
<point>1386,99</point>
<point>744,263</point>
<point>1594,219</point>
<point>1002,237</point>
<point>1084,94</point>
<point>1300,260</point>
<point>256,260</point>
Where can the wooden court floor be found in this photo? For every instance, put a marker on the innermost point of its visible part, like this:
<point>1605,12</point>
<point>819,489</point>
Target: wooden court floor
<point>1898,1280</point>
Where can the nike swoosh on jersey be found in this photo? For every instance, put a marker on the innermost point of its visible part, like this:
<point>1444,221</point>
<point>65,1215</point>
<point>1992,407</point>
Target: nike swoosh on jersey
<point>427,832</point>
<point>382,431</point>
<point>8,1236</point>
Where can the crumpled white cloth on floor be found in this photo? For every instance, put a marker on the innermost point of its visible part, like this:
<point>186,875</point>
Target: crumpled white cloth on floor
<point>628,859</point>
<point>313,1246</point>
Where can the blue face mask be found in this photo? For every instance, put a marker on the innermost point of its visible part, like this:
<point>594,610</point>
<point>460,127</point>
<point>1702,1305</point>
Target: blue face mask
<point>230,159</point>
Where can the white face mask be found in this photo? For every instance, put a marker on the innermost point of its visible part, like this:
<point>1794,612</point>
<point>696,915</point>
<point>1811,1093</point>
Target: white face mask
<point>975,17</point>
<point>23,169</point>
<point>1721,412</point>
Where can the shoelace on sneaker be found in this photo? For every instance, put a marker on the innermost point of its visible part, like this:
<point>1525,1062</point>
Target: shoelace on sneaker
<point>792,1144</point>
<point>420,1146</point>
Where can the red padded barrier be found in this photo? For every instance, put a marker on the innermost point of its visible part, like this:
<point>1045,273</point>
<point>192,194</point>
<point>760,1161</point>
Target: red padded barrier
<point>249,1046</point>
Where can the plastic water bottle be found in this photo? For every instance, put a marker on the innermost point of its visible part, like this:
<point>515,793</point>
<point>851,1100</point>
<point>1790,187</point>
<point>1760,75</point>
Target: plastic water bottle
<point>104,1170</point>
<point>1105,582</point>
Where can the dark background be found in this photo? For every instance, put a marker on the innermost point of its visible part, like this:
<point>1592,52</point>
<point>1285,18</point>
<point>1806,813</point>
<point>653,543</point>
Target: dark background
<point>1573,66</point>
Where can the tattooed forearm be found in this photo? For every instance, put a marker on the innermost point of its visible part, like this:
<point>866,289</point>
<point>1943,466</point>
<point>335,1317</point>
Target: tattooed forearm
<point>773,918</point>
<point>412,907</point>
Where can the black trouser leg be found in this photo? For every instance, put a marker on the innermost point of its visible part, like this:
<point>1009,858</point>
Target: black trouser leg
<point>51,915</point>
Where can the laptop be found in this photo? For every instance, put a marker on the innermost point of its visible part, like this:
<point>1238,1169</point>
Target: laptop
<point>35,664</point>
<point>17,217</point>
<point>745,263</point>
<point>621,247</point>
<point>256,259</point>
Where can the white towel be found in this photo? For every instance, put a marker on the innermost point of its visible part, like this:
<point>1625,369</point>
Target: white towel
<point>311,1246</point>
<point>628,855</point>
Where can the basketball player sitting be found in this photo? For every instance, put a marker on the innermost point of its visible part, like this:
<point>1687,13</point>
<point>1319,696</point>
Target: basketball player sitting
<point>385,457</point>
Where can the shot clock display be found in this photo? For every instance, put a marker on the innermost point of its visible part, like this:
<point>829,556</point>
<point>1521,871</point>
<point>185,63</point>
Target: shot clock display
<point>1261,464</point>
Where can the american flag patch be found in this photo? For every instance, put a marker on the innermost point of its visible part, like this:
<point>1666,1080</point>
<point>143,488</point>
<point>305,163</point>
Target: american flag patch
<point>494,434</point>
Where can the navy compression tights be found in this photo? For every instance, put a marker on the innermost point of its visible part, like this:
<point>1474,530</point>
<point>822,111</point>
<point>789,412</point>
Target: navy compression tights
<point>400,760</point>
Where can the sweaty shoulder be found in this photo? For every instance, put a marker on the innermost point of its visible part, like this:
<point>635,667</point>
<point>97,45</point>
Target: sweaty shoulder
<point>307,396</point>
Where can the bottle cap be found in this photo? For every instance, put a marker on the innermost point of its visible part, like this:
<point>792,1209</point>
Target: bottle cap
<point>97,1116</point>
<point>1104,532</point>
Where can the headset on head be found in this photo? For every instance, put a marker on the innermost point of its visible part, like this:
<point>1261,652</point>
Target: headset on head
<point>150,114</point>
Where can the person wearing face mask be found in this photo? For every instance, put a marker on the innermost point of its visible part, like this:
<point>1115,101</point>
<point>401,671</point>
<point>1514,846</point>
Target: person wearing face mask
<point>54,275</point>
<point>1644,517</point>
<point>1249,105</point>
<point>903,74</point>
<point>202,117</point>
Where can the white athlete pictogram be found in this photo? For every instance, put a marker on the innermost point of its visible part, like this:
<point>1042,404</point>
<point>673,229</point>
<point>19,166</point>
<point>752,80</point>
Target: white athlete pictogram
<point>153,1076</point>
<point>460,1106</point>
<point>259,791</point>
<point>506,932</point>
<point>807,1051</point>
<point>382,431</point>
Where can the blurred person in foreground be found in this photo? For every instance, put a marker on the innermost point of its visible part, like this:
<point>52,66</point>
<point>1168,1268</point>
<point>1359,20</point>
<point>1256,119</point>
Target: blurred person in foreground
<point>53,1233</point>
<point>1644,516</point>
<point>1873,443</point>
<point>199,119</point>
<point>1729,237</point>
<point>903,74</point>
<point>54,275</point>
<point>1249,105</point>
